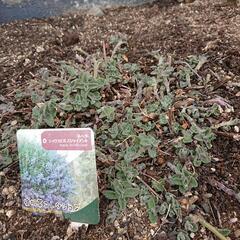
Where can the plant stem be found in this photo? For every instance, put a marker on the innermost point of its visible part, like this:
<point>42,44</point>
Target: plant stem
<point>150,189</point>
<point>208,226</point>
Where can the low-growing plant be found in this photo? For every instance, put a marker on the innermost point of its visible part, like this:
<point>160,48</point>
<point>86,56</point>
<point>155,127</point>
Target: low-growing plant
<point>183,179</point>
<point>133,131</point>
<point>122,186</point>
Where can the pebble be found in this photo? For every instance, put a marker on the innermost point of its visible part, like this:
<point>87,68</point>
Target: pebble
<point>3,228</point>
<point>236,129</point>
<point>10,213</point>
<point>55,238</point>
<point>7,236</point>
<point>39,49</point>
<point>139,214</point>
<point>152,232</point>
<point>12,190</point>
<point>10,203</point>
<point>237,233</point>
<point>14,122</point>
<point>5,191</point>
<point>26,62</point>
<point>233,220</point>
<point>192,235</point>
<point>116,224</point>
<point>121,231</point>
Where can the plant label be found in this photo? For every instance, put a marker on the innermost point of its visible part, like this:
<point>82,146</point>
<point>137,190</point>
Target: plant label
<point>58,173</point>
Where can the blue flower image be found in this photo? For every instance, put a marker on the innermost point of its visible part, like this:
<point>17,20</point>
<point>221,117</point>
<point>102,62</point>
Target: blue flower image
<point>46,178</point>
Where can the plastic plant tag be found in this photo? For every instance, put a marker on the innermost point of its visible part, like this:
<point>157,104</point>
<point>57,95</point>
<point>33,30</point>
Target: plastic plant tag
<point>58,173</point>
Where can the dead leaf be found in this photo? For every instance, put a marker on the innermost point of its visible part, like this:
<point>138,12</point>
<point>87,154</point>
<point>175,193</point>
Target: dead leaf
<point>125,58</point>
<point>185,125</point>
<point>186,203</point>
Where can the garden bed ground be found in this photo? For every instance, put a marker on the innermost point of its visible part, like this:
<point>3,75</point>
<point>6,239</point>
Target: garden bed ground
<point>203,27</point>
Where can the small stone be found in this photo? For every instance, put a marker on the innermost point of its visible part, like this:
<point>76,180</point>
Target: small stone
<point>192,235</point>
<point>55,238</point>
<point>10,213</point>
<point>229,110</point>
<point>208,195</point>
<point>12,190</point>
<point>237,233</point>
<point>124,219</point>
<point>213,169</point>
<point>121,231</point>
<point>233,220</point>
<point>116,224</point>
<point>6,236</point>
<point>111,233</point>
<point>139,214</point>
<point>5,191</point>
<point>13,123</point>
<point>39,49</point>
<point>238,94</point>
<point>236,129</point>
<point>10,203</point>
<point>26,62</point>
<point>152,232</point>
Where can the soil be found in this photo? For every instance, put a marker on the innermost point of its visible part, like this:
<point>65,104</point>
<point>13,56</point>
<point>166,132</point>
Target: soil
<point>203,27</point>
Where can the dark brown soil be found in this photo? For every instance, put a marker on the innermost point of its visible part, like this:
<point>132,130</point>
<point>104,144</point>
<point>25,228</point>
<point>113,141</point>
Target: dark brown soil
<point>203,27</point>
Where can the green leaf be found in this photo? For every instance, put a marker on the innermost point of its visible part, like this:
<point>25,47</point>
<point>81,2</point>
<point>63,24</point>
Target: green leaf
<point>200,156</point>
<point>187,136</point>
<point>46,113</point>
<point>66,107</point>
<point>35,97</point>
<point>114,130</point>
<point>225,231</point>
<point>151,203</point>
<point>126,129</point>
<point>110,194</point>
<point>131,153</point>
<point>131,192</point>
<point>122,203</point>
<point>163,119</point>
<point>147,140</point>
<point>193,182</point>
<point>70,70</point>
<point>152,216</point>
<point>184,179</point>
<point>183,236</point>
<point>131,67</point>
<point>107,112</point>
<point>152,152</point>
<point>163,208</point>
<point>190,226</point>
<point>183,152</point>
<point>166,102</point>
<point>158,186</point>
